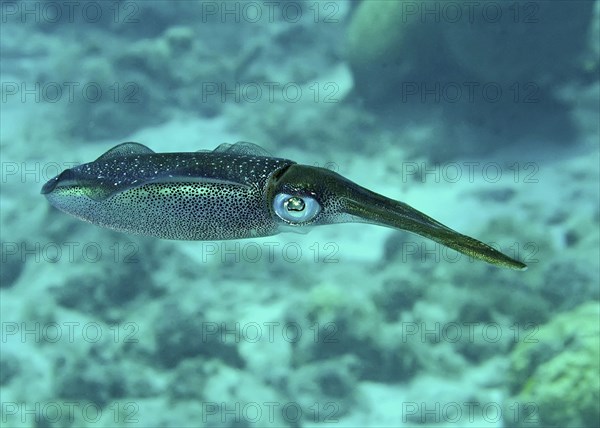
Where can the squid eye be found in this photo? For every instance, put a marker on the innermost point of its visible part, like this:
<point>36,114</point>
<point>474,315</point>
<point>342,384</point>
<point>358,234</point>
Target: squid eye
<point>295,209</point>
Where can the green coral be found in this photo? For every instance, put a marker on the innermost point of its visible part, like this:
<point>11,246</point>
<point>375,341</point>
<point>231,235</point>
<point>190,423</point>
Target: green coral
<point>555,373</point>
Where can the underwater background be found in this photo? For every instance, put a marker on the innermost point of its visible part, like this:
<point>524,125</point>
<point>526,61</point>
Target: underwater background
<point>484,115</point>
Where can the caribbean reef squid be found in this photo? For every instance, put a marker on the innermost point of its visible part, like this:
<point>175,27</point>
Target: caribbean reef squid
<point>233,192</point>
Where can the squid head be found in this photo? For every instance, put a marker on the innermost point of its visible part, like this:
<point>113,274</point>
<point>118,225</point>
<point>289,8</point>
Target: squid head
<point>304,195</point>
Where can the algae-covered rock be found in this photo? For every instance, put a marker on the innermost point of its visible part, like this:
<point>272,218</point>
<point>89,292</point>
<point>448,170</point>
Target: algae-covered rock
<point>554,374</point>
<point>348,323</point>
<point>105,291</point>
<point>386,41</point>
<point>332,381</point>
<point>97,376</point>
<point>375,34</point>
<point>12,265</point>
<point>186,334</point>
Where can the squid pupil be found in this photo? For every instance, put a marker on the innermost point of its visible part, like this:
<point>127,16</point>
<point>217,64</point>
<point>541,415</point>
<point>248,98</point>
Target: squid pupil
<point>295,204</point>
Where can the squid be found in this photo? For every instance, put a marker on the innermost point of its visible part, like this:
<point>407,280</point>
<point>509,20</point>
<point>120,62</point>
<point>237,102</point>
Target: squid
<point>235,191</point>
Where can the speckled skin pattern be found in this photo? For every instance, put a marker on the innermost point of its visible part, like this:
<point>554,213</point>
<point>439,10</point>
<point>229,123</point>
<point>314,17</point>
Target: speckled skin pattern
<point>192,196</point>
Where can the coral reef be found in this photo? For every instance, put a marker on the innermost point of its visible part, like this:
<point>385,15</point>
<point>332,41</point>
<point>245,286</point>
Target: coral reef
<point>557,371</point>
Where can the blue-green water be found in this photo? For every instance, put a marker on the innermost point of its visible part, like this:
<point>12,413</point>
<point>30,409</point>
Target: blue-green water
<point>482,115</point>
